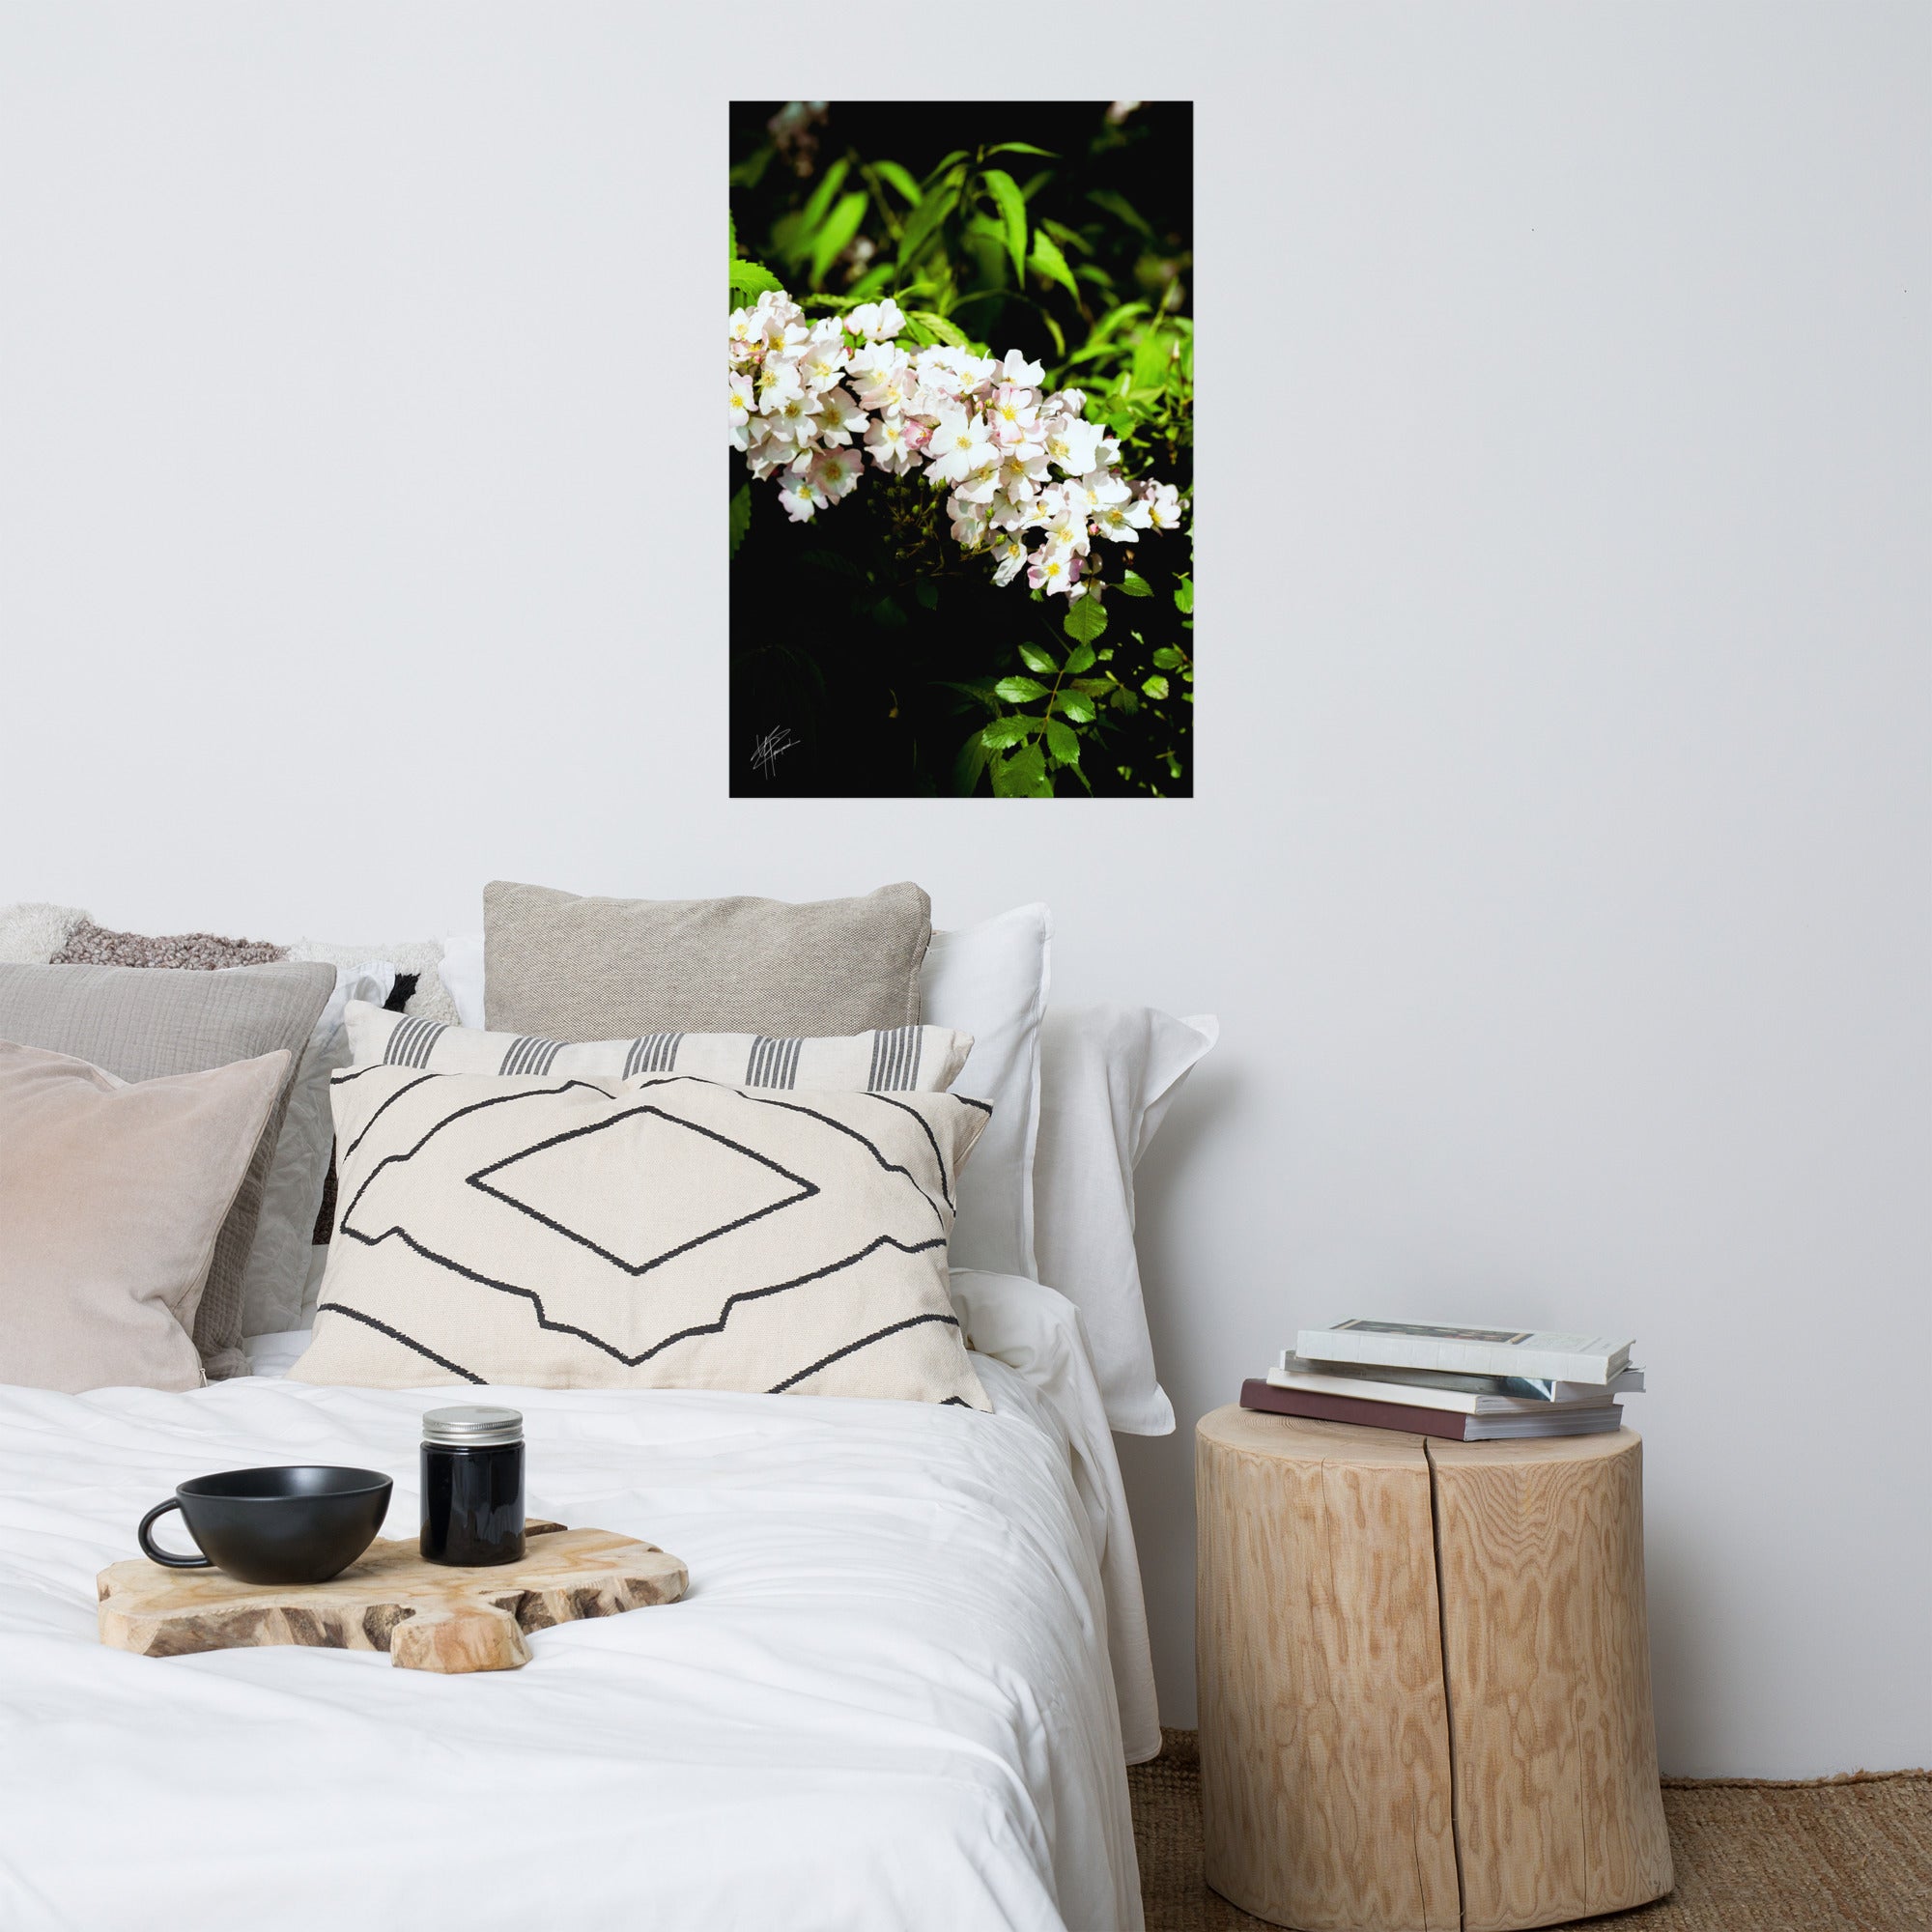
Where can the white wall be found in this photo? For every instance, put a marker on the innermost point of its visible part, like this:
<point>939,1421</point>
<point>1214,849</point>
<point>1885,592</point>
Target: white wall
<point>1558,869</point>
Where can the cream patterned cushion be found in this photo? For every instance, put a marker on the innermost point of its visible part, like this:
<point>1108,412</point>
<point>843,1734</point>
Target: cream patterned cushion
<point>662,1231</point>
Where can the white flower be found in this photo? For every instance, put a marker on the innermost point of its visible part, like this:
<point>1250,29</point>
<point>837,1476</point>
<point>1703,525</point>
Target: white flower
<point>1074,445</point>
<point>1054,570</point>
<point>743,403</point>
<point>969,523</point>
<point>885,379</point>
<point>959,447</point>
<point>887,442</point>
<point>804,395</point>
<point>1122,522</point>
<point>838,418</point>
<point>835,471</point>
<point>822,360</point>
<point>1163,505</point>
<point>1012,414</point>
<point>778,384</point>
<point>1100,490</point>
<point>877,321</point>
<point>800,498</point>
<point>979,485</point>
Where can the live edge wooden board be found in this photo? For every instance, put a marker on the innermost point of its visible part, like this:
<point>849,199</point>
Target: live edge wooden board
<point>1425,1677</point>
<point>426,1615</point>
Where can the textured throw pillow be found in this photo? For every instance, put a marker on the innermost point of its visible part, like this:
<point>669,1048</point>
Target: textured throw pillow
<point>91,945</point>
<point>141,1025</point>
<point>569,968</point>
<point>417,964</point>
<point>112,1194</point>
<point>990,980</point>
<point>923,1060</point>
<point>658,1233</point>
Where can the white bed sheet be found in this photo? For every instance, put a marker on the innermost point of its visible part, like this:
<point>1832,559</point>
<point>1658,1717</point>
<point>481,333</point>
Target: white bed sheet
<point>887,1700</point>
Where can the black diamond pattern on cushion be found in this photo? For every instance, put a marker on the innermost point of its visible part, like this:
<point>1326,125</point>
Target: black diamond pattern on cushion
<point>659,1170</point>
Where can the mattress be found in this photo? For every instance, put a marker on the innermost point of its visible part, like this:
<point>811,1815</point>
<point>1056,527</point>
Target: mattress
<point>888,1699</point>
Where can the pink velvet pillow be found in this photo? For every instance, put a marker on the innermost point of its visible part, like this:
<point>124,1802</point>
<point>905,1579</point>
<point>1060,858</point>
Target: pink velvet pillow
<point>111,1195</point>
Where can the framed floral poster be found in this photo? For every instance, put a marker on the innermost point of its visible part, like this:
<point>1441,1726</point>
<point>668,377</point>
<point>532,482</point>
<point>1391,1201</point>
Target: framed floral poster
<point>961,373</point>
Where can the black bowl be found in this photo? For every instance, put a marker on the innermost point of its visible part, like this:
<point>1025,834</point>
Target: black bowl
<point>301,1524</point>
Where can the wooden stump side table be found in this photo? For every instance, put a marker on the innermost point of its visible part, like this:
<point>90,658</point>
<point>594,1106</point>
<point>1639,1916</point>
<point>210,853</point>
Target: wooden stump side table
<point>1424,1677</point>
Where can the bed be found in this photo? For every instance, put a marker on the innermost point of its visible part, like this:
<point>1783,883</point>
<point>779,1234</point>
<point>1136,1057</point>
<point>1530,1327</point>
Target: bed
<point>900,1692</point>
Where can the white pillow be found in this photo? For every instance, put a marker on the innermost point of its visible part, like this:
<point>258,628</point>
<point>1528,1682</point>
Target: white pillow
<point>1109,1075</point>
<point>462,974</point>
<point>277,1266</point>
<point>991,981</point>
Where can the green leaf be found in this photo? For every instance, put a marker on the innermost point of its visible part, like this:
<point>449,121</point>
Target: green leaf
<point>1156,686</point>
<point>1075,705</point>
<point>830,241</point>
<point>1183,595</point>
<point>1023,775</point>
<point>958,154</point>
<point>1006,731</point>
<point>1167,658</point>
<point>1134,585</point>
<point>968,766</point>
<point>1023,148</point>
<point>1152,355</point>
<point>927,593</point>
<point>731,228</point>
<point>741,515</point>
<point>894,175</point>
<point>924,223</point>
<point>750,281</point>
<point>1035,658</point>
<point>1050,263</point>
<point>1062,743</point>
<point>1006,192</point>
<point>938,326</point>
<point>1068,237</point>
<point>1018,689</point>
<point>1079,658</point>
<point>1125,700</point>
<point>1085,621</point>
<point>1119,206</point>
<point>813,212</point>
<point>886,611</point>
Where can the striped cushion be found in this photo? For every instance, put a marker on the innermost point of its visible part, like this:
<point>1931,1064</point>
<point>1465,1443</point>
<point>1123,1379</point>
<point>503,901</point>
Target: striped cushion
<point>896,1059</point>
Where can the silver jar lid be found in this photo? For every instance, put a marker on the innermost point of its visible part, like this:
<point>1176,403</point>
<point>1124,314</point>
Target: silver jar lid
<point>472,1428</point>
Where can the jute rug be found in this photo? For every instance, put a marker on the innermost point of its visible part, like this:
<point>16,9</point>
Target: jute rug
<point>1849,1855</point>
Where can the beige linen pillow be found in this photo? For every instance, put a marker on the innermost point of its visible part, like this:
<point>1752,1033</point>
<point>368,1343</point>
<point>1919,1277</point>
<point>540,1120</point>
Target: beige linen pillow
<point>140,1025</point>
<point>570,968</point>
<point>112,1195</point>
<point>655,1233</point>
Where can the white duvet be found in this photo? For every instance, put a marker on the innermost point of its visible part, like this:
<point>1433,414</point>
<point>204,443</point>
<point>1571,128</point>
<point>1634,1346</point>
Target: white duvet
<point>886,1702</point>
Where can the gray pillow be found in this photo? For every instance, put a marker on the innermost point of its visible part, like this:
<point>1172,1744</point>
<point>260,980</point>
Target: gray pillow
<point>142,1025</point>
<point>571,968</point>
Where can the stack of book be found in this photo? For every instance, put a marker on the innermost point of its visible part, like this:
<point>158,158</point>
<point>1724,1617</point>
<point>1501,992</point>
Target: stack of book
<point>1468,1384</point>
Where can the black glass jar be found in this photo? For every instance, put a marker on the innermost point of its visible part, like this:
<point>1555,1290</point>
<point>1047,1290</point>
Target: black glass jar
<point>472,1486</point>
